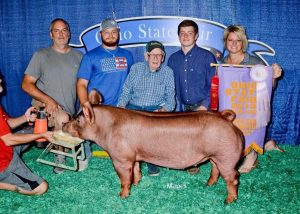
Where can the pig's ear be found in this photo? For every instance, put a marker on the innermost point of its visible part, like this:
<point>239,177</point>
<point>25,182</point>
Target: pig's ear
<point>87,112</point>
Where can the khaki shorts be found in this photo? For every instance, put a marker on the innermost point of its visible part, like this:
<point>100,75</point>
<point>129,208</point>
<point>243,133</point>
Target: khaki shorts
<point>17,173</point>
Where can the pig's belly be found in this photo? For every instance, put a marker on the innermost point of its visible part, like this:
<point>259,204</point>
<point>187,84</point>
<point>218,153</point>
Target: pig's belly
<point>174,161</point>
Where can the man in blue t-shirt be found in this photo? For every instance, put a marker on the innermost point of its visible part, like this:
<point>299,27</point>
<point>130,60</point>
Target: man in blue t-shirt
<point>103,69</point>
<point>102,73</point>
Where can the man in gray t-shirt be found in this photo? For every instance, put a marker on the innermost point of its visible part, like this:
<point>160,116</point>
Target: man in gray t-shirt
<point>51,76</point>
<point>55,75</point>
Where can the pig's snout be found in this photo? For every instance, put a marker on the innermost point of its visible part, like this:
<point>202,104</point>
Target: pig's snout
<point>70,128</point>
<point>65,126</point>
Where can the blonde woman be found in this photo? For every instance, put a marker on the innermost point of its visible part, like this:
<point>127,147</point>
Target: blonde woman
<point>236,43</point>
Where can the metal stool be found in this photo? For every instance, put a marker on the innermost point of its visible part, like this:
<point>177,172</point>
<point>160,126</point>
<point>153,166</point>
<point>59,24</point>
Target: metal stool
<point>75,150</point>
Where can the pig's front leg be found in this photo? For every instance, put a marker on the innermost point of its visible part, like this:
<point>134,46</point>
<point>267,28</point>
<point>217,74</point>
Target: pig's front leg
<point>137,175</point>
<point>124,171</point>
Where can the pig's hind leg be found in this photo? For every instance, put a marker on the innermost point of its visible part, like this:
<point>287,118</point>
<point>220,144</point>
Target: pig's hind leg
<point>214,174</point>
<point>230,175</point>
<point>125,172</point>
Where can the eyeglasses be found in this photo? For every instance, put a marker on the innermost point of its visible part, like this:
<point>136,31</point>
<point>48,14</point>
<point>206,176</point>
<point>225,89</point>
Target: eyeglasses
<point>157,56</point>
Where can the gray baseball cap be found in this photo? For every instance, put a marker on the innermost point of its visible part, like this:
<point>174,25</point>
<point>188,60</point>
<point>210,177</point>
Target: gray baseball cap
<point>108,23</point>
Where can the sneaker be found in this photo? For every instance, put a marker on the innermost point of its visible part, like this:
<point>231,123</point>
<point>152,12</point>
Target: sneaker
<point>153,170</point>
<point>154,173</point>
<point>83,164</point>
<point>59,159</point>
<point>193,170</point>
<point>58,170</point>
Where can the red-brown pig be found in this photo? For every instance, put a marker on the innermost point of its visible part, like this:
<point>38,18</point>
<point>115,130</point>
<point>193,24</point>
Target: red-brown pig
<point>173,140</point>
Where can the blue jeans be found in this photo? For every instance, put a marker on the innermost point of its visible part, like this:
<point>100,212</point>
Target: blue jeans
<point>142,108</point>
<point>151,167</point>
<point>87,149</point>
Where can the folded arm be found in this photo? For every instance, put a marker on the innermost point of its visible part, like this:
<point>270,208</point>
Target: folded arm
<point>28,85</point>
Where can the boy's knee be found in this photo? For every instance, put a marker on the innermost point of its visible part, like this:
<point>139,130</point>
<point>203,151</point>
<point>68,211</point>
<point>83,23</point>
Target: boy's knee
<point>41,189</point>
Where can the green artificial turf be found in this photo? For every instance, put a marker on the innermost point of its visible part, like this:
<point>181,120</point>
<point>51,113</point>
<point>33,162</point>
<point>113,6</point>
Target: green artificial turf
<point>273,187</point>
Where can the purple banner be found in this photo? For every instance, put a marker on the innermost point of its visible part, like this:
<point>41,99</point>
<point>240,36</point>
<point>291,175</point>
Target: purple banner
<point>247,91</point>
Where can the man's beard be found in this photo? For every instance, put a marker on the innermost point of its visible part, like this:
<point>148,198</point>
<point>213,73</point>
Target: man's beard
<point>110,43</point>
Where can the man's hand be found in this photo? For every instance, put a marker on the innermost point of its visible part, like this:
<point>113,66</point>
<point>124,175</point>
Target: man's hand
<point>51,106</point>
<point>95,97</point>
<point>29,86</point>
<point>88,112</point>
<point>201,108</point>
<point>162,109</point>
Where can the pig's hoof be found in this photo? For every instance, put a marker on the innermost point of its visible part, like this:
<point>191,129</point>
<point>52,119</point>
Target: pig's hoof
<point>230,200</point>
<point>210,182</point>
<point>124,195</point>
<point>136,183</point>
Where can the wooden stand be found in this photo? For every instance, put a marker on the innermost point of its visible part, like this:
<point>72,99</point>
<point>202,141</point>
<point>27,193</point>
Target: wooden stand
<point>75,151</point>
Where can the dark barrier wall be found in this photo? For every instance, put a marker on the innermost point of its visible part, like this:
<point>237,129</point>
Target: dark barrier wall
<point>25,28</point>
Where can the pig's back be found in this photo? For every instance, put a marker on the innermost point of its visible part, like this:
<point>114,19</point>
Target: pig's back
<point>187,140</point>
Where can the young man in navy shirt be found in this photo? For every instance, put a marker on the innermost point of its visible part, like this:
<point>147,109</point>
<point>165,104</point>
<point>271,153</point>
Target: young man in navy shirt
<point>192,72</point>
